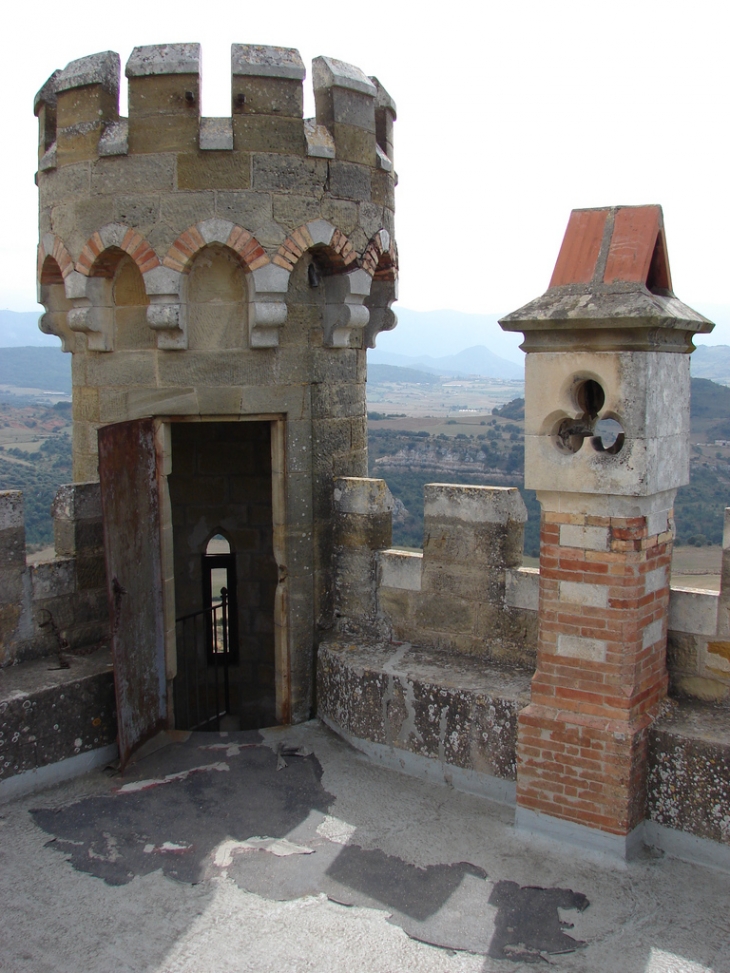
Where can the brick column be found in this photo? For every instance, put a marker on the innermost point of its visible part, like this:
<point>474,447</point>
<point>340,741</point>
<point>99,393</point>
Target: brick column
<point>601,671</point>
<point>606,447</point>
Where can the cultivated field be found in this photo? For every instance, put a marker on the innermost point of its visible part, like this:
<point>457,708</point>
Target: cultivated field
<point>456,397</point>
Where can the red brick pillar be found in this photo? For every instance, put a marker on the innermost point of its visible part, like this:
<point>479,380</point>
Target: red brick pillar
<point>601,671</point>
<point>606,447</point>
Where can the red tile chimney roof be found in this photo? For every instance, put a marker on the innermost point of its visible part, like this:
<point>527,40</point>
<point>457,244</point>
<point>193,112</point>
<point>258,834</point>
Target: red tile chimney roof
<point>620,244</point>
<point>611,289</point>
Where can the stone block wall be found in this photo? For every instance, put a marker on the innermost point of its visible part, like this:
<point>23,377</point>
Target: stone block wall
<point>48,715</point>
<point>446,716</point>
<point>451,597</point>
<point>688,787</point>
<point>57,603</point>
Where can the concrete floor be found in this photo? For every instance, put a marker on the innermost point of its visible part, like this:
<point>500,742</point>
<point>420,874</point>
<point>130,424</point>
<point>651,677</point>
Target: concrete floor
<point>354,868</point>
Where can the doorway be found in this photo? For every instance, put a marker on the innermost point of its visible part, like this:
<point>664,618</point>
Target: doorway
<point>225,571</point>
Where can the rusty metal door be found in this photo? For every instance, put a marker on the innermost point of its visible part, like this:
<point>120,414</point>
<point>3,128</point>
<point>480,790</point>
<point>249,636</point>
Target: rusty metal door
<point>131,509</point>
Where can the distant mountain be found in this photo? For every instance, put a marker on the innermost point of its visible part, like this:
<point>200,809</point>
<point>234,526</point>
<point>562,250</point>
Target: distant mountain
<point>709,400</point>
<point>476,360</point>
<point>441,333</point>
<point>711,361</point>
<point>710,410</point>
<point>20,328</point>
<point>48,369</point>
<point>394,373</point>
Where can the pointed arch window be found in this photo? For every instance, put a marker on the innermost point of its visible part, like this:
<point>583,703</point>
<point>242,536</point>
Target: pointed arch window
<point>220,600</point>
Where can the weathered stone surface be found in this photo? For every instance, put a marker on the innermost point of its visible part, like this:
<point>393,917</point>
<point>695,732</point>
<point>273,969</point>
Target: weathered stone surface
<point>132,174</point>
<point>268,133</point>
<point>283,174</point>
<point>91,213</point>
<point>166,133</point>
<point>186,209</point>
<point>331,73</point>
<point>689,771</point>
<point>340,212</point>
<point>349,181</point>
<point>127,368</point>
<point>370,218</point>
<point>247,209</point>
<point>279,97</point>
<point>266,61</point>
<point>214,170</point>
<point>216,133</point>
<point>428,703</point>
<point>269,234</point>
<point>243,368</point>
<point>383,192</point>
<point>154,60</point>
<point>293,211</point>
<point>355,145</point>
<point>47,716</point>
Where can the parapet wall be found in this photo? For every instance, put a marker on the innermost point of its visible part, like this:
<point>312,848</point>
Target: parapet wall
<point>56,606</point>
<point>432,663</point>
<point>453,596</point>
<point>468,594</point>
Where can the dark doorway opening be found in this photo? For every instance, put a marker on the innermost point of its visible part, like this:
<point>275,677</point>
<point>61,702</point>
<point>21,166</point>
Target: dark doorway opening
<point>220,490</point>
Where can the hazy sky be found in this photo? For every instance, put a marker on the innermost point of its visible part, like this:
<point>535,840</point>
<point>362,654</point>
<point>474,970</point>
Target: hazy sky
<point>510,114</point>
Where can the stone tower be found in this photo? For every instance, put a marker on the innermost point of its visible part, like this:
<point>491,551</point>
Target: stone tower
<point>606,447</point>
<point>217,281</point>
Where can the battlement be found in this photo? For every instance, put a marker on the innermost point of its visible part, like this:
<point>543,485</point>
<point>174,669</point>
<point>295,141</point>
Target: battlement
<point>79,113</point>
<point>59,605</point>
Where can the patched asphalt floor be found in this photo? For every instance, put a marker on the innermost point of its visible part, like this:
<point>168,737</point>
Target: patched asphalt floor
<point>287,850</point>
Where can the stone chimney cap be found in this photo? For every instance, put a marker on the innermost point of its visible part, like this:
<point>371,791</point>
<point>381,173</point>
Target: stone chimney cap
<point>264,61</point>
<point>163,59</point>
<point>612,274</point>
<point>328,72</point>
<point>102,68</point>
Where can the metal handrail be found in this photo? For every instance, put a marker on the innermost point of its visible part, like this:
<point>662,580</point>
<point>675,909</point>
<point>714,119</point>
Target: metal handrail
<point>193,690</point>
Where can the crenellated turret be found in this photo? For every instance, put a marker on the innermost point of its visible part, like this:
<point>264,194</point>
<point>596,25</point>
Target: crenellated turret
<point>204,271</point>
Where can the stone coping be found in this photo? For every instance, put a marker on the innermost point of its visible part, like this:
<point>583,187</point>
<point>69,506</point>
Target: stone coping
<point>694,720</point>
<point>445,668</point>
<point>38,675</point>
